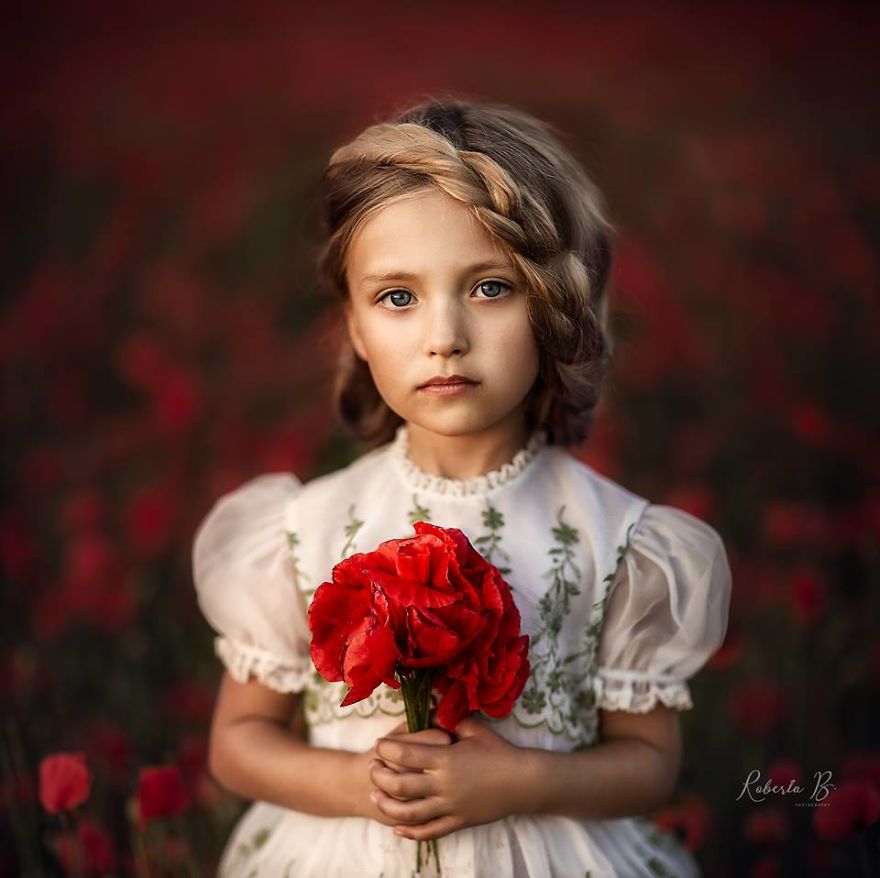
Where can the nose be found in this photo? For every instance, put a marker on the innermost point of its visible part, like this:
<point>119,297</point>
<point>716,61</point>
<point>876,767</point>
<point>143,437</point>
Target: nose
<point>446,330</point>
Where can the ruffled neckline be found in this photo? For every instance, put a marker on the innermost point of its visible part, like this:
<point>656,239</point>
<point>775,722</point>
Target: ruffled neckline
<point>420,480</point>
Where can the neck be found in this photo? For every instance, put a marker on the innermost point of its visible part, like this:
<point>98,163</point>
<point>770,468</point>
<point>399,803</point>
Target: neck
<point>466,455</point>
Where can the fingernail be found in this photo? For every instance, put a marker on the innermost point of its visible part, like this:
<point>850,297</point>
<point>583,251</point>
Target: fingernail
<point>374,796</point>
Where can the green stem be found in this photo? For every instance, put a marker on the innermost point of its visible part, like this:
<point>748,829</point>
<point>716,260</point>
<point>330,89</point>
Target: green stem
<point>416,685</point>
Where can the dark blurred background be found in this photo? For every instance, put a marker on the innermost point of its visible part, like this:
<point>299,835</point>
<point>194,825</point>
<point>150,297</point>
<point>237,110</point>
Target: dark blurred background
<point>163,340</point>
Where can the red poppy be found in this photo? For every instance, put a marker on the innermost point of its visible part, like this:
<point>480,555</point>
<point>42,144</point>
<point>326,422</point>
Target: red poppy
<point>65,781</point>
<point>852,806</point>
<point>161,792</point>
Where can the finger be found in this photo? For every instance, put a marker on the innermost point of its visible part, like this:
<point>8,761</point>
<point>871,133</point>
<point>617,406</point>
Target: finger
<point>417,811</point>
<point>469,726</point>
<point>436,828</point>
<point>388,763</point>
<point>402,785</point>
<point>400,729</point>
<point>430,736</point>
<point>409,754</point>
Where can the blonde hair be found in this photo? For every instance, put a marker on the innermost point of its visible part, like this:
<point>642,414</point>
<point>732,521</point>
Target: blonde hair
<point>532,196</point>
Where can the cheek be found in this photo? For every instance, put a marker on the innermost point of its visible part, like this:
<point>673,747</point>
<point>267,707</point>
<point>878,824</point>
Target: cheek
<point>386,355</point>
<point>521,348</point>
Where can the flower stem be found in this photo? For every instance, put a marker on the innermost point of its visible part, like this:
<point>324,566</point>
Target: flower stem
<point>416,685</point>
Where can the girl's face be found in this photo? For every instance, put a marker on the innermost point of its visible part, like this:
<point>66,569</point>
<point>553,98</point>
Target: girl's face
<point>432,295</point>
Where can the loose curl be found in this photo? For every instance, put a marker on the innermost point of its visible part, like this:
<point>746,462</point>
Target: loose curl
<point>533,197</point>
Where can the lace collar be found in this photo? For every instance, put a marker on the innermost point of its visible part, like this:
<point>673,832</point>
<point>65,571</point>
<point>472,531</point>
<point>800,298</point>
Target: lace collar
<point>419,480</point>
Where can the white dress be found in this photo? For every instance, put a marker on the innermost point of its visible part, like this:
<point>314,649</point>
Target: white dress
<point>623,600</point>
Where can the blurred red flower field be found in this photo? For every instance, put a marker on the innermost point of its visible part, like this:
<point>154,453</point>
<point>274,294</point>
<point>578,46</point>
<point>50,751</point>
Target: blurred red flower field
<point>163,339</point>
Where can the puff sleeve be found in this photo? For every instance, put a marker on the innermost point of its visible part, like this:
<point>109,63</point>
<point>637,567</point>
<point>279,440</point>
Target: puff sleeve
<point>246,584</point>
<point>666,613</point>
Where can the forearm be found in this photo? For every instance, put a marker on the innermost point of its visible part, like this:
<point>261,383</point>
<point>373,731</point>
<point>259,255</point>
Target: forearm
<point>617,778</point>
<point>261,759</point>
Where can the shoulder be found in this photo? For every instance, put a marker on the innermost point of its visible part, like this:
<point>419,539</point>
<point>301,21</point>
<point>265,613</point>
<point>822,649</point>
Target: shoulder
<point>605,508</point>
<point>656,519</point>
<point>566,469</point>
<point>672,536</point>
<point>258,500</point>
<point>327,497</point>
<point>244,521</point>
<point>276,494</point>
<point>665,534</point>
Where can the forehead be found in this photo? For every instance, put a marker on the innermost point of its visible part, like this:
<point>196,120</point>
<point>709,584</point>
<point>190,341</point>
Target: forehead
<point>425,231</point>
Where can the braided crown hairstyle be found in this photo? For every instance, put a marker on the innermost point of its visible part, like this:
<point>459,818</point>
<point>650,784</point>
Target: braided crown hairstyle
<point>532,196</point>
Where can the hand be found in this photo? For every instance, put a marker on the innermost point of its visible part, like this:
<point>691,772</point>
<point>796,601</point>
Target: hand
<point>362,763</point>
<point>427,792</point>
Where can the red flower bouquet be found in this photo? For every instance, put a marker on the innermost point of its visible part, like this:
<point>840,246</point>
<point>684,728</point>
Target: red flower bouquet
<point>426,614</point>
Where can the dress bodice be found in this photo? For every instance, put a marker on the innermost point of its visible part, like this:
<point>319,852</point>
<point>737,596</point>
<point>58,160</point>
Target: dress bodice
<point>622,599</point>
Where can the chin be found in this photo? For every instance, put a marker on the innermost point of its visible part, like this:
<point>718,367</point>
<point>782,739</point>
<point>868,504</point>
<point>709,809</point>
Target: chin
<point>452,427</point>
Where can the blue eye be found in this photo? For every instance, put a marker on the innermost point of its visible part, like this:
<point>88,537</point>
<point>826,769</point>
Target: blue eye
<point>499,287</point>
<point>396,302</point>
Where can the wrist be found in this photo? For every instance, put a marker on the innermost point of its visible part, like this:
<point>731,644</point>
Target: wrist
<point>355,784</point>
<point>527,791</point>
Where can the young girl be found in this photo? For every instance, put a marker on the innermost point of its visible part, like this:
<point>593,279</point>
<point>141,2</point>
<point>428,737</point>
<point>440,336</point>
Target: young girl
<point>470,255</point>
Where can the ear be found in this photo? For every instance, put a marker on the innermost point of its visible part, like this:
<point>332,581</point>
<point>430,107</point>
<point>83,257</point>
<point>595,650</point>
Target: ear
<point>353,331</point>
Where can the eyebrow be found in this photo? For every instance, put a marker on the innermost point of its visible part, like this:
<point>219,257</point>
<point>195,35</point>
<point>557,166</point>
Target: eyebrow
<point>381,277</point>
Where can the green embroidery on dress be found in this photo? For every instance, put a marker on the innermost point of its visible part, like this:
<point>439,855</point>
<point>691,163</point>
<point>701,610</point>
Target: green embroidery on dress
<point>246,849</point>
<point>418,512</point>
<point>260,838</point>
<point>658,868</point>
<point>351,529</point>
<point>663,842</point>
<point>533,700</point>
<point>292,543</point>
<point>323,701</point>
<point>551,685</point>
<point>591,639</point>
<point>489,543</point>
<point>560,690</point>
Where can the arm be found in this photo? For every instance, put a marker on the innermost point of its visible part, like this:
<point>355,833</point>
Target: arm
<point>433,792</point>
<point>632,771</point>
<point>253,751</point>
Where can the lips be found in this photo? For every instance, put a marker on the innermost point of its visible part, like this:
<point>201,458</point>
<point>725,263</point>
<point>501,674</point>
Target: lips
<point>447,380</point>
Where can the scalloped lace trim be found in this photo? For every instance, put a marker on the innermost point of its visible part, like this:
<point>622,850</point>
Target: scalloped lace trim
<point>620,690</point>
<point>243,662</point>
<point>422,481</point>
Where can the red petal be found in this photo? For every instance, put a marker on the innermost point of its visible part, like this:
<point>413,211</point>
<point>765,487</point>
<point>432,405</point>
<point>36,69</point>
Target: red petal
<point>453,707</point>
